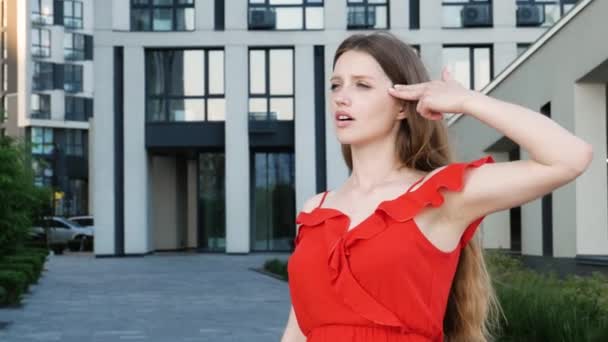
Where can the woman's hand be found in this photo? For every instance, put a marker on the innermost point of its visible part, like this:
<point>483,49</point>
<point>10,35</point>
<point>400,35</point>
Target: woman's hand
<point>435,97</point>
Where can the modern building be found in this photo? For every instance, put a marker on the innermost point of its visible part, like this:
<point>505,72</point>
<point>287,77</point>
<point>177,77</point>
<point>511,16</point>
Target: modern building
<point>563,75</point>
<point>47,77</point>
<point>211,125</point>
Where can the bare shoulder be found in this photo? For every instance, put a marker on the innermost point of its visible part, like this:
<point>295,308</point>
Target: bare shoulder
<point>312,202</point>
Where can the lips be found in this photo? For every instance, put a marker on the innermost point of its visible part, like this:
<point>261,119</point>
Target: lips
<point>343,116</point>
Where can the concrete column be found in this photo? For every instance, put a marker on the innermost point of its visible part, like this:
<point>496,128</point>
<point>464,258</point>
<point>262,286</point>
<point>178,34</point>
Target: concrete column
<point>236,18</point>
<point>204,17</point>
<point>103,161</point>
<point>430,15</point>
<point>591,216</point>
<point>335,15</point>
<point>400,15</point>
<point>237,149</point>
<point>121,15</point>
<point>432,57</point>
<point>504,54</point>
<point>136,156</point>
<point>504,14</point>
<point>305,142</point>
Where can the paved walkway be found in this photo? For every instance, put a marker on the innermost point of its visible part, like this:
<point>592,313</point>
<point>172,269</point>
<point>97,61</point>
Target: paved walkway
<point>169,298</point>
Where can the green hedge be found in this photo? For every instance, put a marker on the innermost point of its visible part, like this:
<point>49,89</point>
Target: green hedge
<point>538,306</point>
<point>15,283</point>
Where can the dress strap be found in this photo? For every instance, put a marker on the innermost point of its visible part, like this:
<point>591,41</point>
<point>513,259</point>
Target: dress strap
<point>416,182</point>
<point>322,199</point>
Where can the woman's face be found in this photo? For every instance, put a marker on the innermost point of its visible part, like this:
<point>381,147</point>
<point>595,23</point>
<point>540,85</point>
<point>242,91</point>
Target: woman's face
<point>359,88</point>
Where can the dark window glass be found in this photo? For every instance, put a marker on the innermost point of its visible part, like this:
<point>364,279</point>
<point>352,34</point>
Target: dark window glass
<point>286,15</point>
<point>467,13</point>
<point>271,84</point>
<point>367,14</point>
<point>77,109</point>
<point>41,42</point>
<point>72,14</point>
<point>42,76</point>
<point>162,15</point>
<point>185,85</point>
<point>72,78</point>
<point>74,145</point>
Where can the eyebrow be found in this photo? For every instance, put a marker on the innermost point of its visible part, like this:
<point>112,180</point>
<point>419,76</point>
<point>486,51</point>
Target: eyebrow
<point>353,76</point>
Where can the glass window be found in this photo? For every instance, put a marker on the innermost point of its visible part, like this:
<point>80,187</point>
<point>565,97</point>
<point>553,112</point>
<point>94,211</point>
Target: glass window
<point>72,14</point>
<point>271,86</point>
<point>467,13</point>
<point>286,15</point>
<point>42,140</point>
<point>42,12</point>
<point>76,108</point>
<point>73,46</point>
<point>40,106</point>
<point>74,142</point>
<point>41,42</point>
<point>367,14</point>
<point>42,76</point>
<point>162,15</point>
<point>470,65</point>
<point>541,13</point>
<point>72,78</point>
<point>43,173</point>
<point>185,85</point>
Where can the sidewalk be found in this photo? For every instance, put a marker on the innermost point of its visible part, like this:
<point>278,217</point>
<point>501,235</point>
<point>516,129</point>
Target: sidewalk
<point>169,298</point>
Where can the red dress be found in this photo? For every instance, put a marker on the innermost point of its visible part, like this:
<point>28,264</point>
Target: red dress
<point>382,280</point>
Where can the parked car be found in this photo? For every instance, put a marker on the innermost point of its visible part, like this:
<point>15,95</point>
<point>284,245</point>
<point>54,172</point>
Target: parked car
<point>60,230</point>
<point>84,221</point>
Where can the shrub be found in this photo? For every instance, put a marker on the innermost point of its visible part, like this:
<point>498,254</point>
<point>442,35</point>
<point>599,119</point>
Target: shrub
<point>15,284</point>
<point>36,261</point>
<point>28,269</point>
<point>277,266</point>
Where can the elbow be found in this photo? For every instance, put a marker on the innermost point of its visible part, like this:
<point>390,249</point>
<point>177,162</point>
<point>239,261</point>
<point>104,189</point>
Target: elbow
<point>582,160</point>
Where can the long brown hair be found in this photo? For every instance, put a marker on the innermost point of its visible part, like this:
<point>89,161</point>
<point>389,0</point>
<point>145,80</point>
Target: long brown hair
<point>472,308</point>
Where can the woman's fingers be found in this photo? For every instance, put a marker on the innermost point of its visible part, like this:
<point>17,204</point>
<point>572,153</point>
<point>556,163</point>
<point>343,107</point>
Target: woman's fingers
<point>406,94</point>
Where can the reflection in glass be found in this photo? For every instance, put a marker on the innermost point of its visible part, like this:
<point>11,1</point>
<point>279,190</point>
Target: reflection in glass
<point>273,201</point>
<point>211,202</point>
<point>216,110</point>
<point>281,108</point>
<point>482,67</point>
<point>457,59</point>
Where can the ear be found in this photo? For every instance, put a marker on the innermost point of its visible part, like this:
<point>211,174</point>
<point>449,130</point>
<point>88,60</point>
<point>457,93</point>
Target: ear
<point>402,114</point>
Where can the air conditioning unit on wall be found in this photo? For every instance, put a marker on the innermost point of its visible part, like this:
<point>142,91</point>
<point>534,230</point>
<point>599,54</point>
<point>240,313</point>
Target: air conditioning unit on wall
<point>476,15</point>
<point>262,18</point>
<point>529,15</point>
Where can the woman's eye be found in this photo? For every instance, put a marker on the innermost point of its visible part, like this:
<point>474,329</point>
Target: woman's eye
<point>333,86</point>
<point>363,85</point>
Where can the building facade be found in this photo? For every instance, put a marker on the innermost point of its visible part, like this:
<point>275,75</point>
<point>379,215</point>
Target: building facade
<point>565,78</point>
<point>47,79</point>
<point>212,125</point>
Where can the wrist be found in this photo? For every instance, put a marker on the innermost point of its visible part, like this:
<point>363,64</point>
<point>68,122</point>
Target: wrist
<point>473,97</point>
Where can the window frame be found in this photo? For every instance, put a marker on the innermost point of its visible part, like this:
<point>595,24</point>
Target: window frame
<point>40,113</point>
<point>472,48</point>
<point>73,146</point>
<point>267,95</point>
<point>272,7</point>
<point>73,18</point>
<point>44,144</point>
<point>167,95</point>
<point>73,74</point>
<point>46,49</point>
<point>38,18</point>
<point>73,53</point>
<point>366,5</point>
<point>42,79</point>
<point>150,7</point>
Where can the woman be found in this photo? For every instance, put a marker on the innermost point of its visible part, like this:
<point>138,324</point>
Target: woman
<point>376,262</point>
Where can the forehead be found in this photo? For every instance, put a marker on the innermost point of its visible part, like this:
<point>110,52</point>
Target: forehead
<point>356,64</point>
